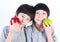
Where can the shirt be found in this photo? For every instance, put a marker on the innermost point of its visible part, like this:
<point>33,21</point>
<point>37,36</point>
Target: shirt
<point>28,34</point>
<point>19,36</point>
<point>33,35</point>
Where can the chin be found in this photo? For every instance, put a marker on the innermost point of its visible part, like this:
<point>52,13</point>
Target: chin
<point>37,22</point>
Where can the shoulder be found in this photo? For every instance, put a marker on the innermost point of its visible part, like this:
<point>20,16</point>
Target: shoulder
<point>5,32</point>
<point>29,28</point>
<point>6,28</point>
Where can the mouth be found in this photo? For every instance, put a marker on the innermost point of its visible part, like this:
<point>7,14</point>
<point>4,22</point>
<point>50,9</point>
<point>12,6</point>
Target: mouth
<point>38,19</point>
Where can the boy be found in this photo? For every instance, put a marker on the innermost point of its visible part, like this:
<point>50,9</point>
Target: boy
<point>39,32</point>
<point>15,32</point>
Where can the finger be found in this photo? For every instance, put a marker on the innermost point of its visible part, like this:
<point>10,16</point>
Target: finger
<point>44,25</point>
<point>49,24</point>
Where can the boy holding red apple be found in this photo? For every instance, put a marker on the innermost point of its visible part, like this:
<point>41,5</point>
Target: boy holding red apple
<point>15,32</point>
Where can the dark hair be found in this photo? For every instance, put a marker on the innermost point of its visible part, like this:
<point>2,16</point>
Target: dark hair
<point>27,9</point>
<point>42,6</point>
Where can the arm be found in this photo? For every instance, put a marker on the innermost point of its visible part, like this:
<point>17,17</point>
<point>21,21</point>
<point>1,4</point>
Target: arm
<point>48,33</point>
<point>49,36</point>
<point>9,37</point>
<point>13,28</point>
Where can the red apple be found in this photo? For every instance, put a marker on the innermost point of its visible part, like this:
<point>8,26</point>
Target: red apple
<point>14,20</point>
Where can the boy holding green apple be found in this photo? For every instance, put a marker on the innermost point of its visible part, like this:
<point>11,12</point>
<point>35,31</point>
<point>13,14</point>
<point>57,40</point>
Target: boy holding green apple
<point>41,30</point>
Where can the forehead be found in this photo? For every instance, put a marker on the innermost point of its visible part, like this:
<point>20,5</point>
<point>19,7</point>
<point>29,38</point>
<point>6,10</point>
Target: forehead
<point>25,15</point>
<point>40,11</point>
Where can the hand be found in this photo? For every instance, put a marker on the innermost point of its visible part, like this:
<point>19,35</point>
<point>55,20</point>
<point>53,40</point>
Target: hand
<point>47,27</point>
<point>13,28</point>
<point>48,32</point>
<point>16,27</point>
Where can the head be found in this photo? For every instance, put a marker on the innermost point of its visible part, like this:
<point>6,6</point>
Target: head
<point>25,13</point>
<point>41,11</point>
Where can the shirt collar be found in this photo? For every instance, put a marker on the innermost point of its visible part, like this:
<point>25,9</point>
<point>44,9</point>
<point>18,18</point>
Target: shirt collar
<point>35,29</point>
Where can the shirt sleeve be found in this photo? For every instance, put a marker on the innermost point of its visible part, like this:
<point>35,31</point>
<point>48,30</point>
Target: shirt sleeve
<point>4,34</point>
<point>53,34</point>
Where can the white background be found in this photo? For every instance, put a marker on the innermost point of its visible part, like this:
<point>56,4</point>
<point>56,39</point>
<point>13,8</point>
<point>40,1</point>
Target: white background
<point>8,8</point>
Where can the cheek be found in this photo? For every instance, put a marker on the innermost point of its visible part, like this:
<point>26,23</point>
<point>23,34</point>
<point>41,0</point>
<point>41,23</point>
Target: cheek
<point>35,19</point>
<point>45,16</point>
<point>26,21</point>
<point>20,18</point>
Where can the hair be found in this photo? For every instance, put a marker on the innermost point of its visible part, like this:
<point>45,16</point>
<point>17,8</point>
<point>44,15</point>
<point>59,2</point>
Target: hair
<point>27,9</point>
<point>42,6</point>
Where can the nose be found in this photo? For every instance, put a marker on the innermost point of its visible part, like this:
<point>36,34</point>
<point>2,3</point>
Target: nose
<point>39,16</point>
<point>23,19</point>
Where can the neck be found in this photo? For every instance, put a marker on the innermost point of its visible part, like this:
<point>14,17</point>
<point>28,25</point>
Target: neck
<point>38,26</point>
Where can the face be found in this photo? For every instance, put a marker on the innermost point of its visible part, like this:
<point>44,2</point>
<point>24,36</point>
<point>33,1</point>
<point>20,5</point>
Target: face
<point>39,16</point>
<point>24,18</point>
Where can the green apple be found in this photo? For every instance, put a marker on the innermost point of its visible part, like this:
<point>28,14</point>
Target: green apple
<point>47,20</point>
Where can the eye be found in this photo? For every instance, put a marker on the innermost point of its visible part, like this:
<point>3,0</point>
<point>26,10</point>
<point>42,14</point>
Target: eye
<point>22,16</point>
<point>37,12</point>
<point>28,19</point>
<point>43,13</point>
